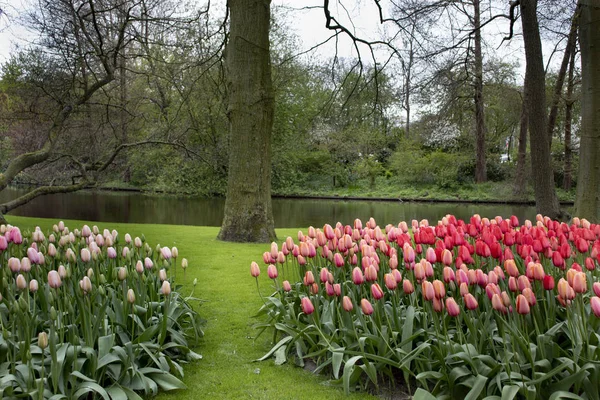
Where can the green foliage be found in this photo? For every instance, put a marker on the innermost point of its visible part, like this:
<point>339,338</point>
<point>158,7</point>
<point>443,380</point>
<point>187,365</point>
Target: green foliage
<point>95,320</point>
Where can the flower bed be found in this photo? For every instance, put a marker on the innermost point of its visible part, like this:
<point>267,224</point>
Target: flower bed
<point>459,310</point>
<point>85,315</point>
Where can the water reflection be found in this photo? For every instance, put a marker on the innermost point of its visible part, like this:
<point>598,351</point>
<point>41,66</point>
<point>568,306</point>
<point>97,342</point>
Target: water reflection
<point>142,208</point>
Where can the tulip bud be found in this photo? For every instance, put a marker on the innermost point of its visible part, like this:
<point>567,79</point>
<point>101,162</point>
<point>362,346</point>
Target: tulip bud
<point>53,313</point>
<point>175,252</point>
<point>85,255</point>
<point>470,301</point>
<point>148,263</point>
<point>548,282</point>
<point>376,291</point>
<point>54,279</point>
<point>307,306</point>
<point>452,307</point>
<point>122,273</point>
<point>86,285</point>
<point>130,296</point>
<point>14,264</point>
<point>595,306</point>
<point>407,286</point>
<point>522,305</point>
<point>33,286</point>
<point>580,282</point>
<point>26,263</point>
<point>42,340</point>
<point>347,304</point>
<point>166,288</point>
<point>286,286</point>
<point>162,274</point>
<point>366,306</point>
<point>272,271</point>
<point>21,282</point>
<point>166,253</point>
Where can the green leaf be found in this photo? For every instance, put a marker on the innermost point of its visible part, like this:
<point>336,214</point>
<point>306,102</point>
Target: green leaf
<point>422,394</point>
<point>564,395</point>
<point>337,356</point>
<point>509,392</point>
<point>81,376</point>
<point>282,342</point>
<point>477,388</point>
<point>116,393</point>
<point>348,370</point>
<point>407,328</point>
<point>280,355</point>
<point>90,387</point>
<point>167,381</point>
<point>105,343</point>
<point>107,359</point>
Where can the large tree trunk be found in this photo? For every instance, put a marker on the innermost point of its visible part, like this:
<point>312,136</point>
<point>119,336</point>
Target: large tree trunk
<point>546,200</point>
<point>248,214</point>
<point>521,173</point>
<point>567,181</point>
<point>587,203</point>
<point>480,170</point>
<point>571,41</point>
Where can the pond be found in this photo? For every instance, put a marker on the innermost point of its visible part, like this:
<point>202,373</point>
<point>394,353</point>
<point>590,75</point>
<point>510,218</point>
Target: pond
<point>288,213</point>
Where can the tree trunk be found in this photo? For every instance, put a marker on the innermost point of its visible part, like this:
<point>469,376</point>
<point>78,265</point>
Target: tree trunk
<point>123,113</point>
<point>480,169</point>
<point>567,181</point>
<point>521,173</point>
<point>561,76</point>
<point>248,214</point>
<point>546,200</point>
<point>2,220</point>
<point>587,202</point>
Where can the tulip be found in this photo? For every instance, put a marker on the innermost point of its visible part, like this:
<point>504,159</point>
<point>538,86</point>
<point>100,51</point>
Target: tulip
<point>419,272</point>
<point>497,303</point>
<point>376,291</point>
<point>563,288</point>
<point>427,290</point>
<point>338,260</point>
<point>286,286</point>
<point>139,267</point>
<point>166,288</point>
<point>430,255</point>
<point>86,285</point>
<point>254,269</point>
<point>580,282</point>
<point>590,265</point>
<point>549,282</point>
<point>149,264</point>
<point>14,264</point>
<point>122,273</point>
<point>347,304</point>
<point>407,286</point>
<point>357,276</point>
<point>33,286</point>
<point>397,275</point>
<point>307,306</point>
<point>452,307</point>
<point>522,305</point>
<point>371,273</point>
<point>54,279</point>
<point>596,288</point>
<point>166,253</point>
<point>309,278</point>
<point>3,243</point>
<point>272,271</point>
<point>137,242</point>
<point>439,289</point>
<point>390,281</point>
<point>464,289</point>
<point>446,257</point>
<point>21,282</point>
<point>595,306</point>
<point>448,274</point>
<point>511,268</point>
<point>366,306</point>
<point>85,255</point>
<point>470,301</point>
<point>42,340</point>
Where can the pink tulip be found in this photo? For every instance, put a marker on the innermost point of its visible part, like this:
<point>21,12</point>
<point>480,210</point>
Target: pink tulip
<point>139,267</point>
<point>439,289</point>
<point>446,257</point>
<point>497,303</point>
<point>62,271</point>
<point>307,306</point>
<point>357,276</point>
<point>286,286</point>
<point>33,286</point>
<point>254,269</point>
<point>337,289</point>
<point>376,291</point>
<point>86,285</point>
<point>530,296</point>
<point>54,279</point>
<point>272,271</point>
<point>470,301</point>
<point>338,260</point>
<point>85,255</point>
<point>596,288</point>
<point>511,268</point>
<point>366,306</point>
<point>112,253</point>
<point>427,290</point>
<point>137,242</point>
<point>166,253</point>
<point>430,255</point>
<point>130,296</point>
<point>347,304</point>
<point>452,307</point>
<point>3,243</point>
<point>127,238</point>
<point>26,264</point>
<point>522,305</point>
<point>390,281</point>
<point>407,286</point>
<point>148,263</point>
<point>595,306</point>
<point>309,278</point>
<point>580,282</point>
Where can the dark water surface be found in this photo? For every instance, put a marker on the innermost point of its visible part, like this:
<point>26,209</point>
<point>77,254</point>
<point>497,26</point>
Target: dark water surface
<point>288,213</point>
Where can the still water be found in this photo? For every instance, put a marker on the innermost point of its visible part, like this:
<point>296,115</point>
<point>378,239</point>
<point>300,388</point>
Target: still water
<point>288,213</point>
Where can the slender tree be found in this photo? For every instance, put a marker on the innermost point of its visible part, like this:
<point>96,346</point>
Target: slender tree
<point>569,101</point>
<point>587,203</point>
<point>248,213</point>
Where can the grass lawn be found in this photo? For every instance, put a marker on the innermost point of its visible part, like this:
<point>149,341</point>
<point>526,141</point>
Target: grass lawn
<point>229,300</point>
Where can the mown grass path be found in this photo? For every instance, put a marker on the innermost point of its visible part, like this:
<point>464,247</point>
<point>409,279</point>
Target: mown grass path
<point>228,302</point>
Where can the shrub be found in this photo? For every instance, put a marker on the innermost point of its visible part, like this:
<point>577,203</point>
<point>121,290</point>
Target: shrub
<point>86,314</point>
<point>459,310</point>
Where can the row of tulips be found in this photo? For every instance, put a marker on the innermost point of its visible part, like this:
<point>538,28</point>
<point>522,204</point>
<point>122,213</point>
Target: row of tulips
<point>84,313</point>
<point>487,307</point>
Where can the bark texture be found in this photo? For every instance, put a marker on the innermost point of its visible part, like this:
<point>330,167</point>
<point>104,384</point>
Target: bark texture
<point>587,202</point>
<point>248,213</point>
<point>546,200</point>
<point>521,173</point>
<point>480,168</point>
<point>568,167</point>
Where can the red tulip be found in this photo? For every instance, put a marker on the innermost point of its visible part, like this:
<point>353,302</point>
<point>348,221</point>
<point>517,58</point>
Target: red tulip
<point>548,282</point>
